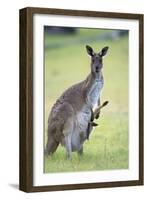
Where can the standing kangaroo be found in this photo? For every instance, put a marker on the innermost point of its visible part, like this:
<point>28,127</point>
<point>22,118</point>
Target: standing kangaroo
<point>71,114</point>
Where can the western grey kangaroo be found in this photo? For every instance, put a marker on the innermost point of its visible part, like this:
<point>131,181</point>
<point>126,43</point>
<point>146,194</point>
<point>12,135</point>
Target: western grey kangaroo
<point>70,117</point>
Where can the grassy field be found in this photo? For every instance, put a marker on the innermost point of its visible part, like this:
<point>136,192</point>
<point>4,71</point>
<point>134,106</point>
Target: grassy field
<point>108,145</point>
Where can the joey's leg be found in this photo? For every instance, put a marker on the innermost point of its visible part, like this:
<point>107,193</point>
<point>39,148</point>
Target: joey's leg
<point>98,114</point>
<point>80,152</point>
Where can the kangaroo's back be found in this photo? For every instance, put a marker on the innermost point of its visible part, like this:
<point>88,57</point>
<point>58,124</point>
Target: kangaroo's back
<point>73,95</point>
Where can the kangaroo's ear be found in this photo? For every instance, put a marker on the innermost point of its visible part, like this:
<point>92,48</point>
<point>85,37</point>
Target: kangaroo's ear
<point>89,50</point>
<point>103,52</point>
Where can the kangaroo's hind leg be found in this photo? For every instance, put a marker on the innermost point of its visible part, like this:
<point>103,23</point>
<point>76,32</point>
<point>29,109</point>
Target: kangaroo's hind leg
<point>51,145</point>
<point>68,146</point>
<point>67,132</point>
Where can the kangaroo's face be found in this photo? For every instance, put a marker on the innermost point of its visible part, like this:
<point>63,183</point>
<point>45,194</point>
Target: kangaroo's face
<point>96,59</point>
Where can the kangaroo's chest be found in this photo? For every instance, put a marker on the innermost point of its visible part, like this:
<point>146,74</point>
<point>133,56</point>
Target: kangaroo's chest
<point>94,93</point>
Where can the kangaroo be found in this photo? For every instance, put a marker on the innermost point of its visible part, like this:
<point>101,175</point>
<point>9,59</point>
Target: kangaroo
<point>70,115</point>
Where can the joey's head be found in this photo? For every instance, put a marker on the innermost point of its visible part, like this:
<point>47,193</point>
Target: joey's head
<point>96,60</point>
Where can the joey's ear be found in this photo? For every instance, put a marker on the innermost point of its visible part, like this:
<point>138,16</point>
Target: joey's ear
<point>89,50</point>
<point>103,52</point>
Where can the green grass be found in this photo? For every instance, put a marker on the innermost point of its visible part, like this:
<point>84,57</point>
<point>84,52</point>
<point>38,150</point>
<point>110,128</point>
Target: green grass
<point>108,144</point>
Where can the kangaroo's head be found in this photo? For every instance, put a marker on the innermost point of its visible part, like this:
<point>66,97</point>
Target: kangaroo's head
<point>96,60</point>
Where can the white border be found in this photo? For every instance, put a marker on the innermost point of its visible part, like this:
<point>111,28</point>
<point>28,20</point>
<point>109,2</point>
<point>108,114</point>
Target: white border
<point>132,173</point>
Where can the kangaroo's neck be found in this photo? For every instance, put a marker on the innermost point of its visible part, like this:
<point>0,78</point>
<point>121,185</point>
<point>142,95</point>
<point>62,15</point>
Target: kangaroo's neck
<point>92,88</point>
<point>92,79</point>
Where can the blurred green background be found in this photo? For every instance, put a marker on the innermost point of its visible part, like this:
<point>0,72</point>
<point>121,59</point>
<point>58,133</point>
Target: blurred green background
<point>66,63</point>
